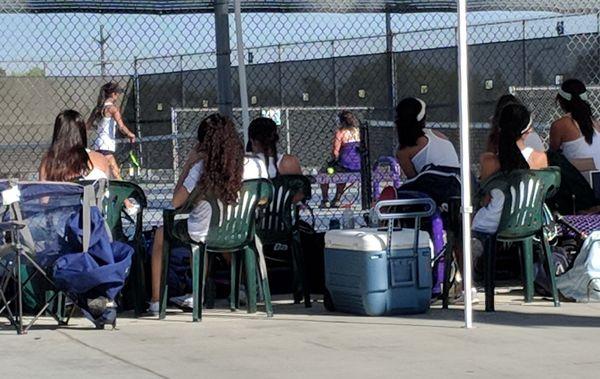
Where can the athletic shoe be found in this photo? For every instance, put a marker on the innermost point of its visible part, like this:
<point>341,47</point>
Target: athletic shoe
<point>185,301</point>
<point>461,298</point>
<point>153,308</point>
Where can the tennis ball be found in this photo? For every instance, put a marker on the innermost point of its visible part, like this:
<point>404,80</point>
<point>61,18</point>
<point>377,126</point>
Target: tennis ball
<point>330,170</point>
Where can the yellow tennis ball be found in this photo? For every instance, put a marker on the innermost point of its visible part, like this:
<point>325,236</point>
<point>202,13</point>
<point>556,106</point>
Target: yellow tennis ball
<point>330,170</point>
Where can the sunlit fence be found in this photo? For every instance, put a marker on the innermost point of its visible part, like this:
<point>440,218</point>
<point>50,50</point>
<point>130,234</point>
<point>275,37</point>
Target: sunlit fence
<point>304,65</point>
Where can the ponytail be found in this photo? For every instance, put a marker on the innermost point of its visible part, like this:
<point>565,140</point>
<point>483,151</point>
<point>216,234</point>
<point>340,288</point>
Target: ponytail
<point>264,131</point>
<point>410,121</point>
<point>572,97</point>
<point>514,120</point>
<point>105,92</point>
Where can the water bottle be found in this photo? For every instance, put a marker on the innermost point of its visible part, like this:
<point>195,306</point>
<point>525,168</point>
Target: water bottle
<point>373,218</point>
<point>348,218</point>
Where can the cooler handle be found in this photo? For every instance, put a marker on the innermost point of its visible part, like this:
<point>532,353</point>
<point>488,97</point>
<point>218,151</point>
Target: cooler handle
<point>431,207</point>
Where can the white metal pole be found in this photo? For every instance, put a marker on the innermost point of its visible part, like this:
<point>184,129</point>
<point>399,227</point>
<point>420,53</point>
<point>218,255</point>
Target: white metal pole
<point>465,150</point>
<point>242,69</point>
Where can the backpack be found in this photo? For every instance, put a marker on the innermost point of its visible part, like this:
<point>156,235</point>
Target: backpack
<point>438,182</point>
<point>92,278</point>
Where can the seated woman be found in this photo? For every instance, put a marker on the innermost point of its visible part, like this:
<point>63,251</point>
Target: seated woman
<point>515,125</point>
<point>576,134</point>
<point>346,155</point>
<point>488,160</point>
<point>67,158</point>
<point>216,166</point>
<point>418,146</point>
<point>263,138</point>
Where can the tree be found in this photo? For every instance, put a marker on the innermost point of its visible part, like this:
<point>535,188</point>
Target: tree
<point>35,72</point>
<point>2,72</point>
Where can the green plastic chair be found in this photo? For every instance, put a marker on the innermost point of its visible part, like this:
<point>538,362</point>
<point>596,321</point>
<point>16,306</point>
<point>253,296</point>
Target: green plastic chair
<point>277,223</point>
<point>522,221</point>
<point>232,230</point>
<point>111,198</point>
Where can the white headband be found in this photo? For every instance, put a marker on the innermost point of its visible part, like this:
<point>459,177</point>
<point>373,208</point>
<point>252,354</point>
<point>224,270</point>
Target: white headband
<point>567,96</point>
<point>529,125</point>
<point>421,114</point>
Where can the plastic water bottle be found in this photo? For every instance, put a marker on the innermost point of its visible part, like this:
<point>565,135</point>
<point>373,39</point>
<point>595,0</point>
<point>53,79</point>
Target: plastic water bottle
<point>373,218</point>
<point>348,218</point>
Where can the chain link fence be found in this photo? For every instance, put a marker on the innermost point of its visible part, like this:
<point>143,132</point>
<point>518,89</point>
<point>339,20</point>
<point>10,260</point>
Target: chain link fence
<point>307,62</point>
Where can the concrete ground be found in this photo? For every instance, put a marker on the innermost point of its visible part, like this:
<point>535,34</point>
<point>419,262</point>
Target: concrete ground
<point>518,340</point>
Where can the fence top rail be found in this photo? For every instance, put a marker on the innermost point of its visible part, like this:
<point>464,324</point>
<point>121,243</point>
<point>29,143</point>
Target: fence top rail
<point>284,108</point>
<point>513,89</point>
<point>283,6</point>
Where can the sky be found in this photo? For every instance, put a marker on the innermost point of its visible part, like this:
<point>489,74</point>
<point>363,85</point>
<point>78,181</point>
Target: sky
<point>65,44</point>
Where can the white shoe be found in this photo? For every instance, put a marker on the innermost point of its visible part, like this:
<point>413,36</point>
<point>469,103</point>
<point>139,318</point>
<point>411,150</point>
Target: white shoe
<point>461,298</point>
<point>185,301</point>
<point>153,308</point>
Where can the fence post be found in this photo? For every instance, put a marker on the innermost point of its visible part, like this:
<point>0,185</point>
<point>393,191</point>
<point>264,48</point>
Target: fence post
<point>181,81</point>
<point>524,53</point>
<point>175,145</point>
<point>335,86</point>
<point>389,44</point>
<point>280,74</point>
<point>137,112</point>
<point>288,139</point>
<point>224,90</point>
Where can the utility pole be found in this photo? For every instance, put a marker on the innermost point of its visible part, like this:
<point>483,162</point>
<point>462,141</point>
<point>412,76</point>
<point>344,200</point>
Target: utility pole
<point>102,42</point>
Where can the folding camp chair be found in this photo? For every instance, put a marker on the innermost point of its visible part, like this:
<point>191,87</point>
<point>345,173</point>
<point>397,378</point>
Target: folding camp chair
<point>36,234</point>
<point>277,223</point>
<point>232,230</point>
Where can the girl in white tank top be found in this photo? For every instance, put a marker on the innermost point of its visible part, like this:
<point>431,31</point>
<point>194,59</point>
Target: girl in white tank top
<point>106,117</point>
<point>106,129</point>
<point>262,143</point>
<point>438,151</point>
<point>577,134</point>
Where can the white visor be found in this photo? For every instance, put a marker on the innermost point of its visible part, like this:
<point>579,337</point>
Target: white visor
<point>423,111</point>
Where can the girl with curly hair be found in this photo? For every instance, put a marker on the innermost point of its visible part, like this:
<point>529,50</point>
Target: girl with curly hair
<point>217,166</point>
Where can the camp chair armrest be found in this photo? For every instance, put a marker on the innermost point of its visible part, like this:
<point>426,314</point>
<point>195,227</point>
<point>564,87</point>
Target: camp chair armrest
<point>11,225</point>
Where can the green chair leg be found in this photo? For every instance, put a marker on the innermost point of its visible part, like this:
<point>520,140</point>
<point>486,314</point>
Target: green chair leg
<point>234,282</point>
<point>250,264</point>
<point>164,287</point>
<point>264,281</point>
<point>528,268</point>
<point>302,271</point>
<point>197,280</point>
<point>551,271</point>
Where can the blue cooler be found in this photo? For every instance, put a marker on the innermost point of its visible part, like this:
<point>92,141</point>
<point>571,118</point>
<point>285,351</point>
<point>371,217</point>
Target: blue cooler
<point>363,275</point>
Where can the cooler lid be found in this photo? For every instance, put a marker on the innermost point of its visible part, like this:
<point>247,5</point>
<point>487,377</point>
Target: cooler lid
<point>369,239</point>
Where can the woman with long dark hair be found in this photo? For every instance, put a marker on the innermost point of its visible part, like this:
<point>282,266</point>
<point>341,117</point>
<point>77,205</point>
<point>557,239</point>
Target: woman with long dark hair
<point>533,139</point>
<point>513,154</point>
<point>263,138</point>
<point>67,158</point>
<point>577,133</point>
<point>419,146</point>
<point>217,166</point>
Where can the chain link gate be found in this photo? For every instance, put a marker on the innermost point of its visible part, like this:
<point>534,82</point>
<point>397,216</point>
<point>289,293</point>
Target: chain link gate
<point>305,54</point>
